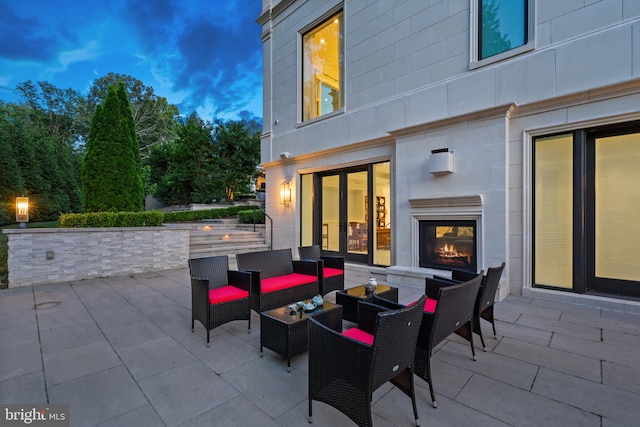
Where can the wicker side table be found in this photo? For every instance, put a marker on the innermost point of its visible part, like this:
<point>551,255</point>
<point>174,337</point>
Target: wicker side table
<point>287,334</point>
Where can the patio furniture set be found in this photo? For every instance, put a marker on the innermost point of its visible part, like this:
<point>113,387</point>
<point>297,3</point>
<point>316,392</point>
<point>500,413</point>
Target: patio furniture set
<point>390,341</point>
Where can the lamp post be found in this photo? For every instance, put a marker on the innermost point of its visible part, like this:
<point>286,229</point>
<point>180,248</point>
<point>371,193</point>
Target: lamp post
<point>22,211</point>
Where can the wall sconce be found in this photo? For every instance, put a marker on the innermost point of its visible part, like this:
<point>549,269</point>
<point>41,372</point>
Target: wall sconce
<point>285,193</point>
<point>22,211</point>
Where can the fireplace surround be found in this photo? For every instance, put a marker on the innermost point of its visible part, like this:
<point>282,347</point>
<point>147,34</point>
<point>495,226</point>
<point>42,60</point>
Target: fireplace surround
<point>448,244</point>
<point>464,212</point>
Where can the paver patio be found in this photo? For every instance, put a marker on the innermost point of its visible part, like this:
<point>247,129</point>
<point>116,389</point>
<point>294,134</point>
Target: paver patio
<point>120,352</point>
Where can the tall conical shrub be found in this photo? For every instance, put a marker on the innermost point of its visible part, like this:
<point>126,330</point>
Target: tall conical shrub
<point>111,170</point>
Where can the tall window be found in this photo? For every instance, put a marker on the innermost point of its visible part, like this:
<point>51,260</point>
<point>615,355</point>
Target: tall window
<point>322,62</point>
<point>500,29</point>
<point>502,24</point>
<point>553,168</point>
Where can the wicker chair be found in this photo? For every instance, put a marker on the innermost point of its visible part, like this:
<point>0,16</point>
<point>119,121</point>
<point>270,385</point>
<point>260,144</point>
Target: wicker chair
<point>452,307</point>
<point>218,295</point>
<point>331,268</point>
<point>486,297</point>
<point>459,276</point>
<point>346,368</point>
<point>485,301</point>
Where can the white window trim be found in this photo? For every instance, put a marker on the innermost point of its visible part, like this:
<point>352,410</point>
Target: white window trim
<point>299,62</point>
<point>474,62</point>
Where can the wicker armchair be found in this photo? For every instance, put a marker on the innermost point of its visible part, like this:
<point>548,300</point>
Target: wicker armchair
<point>442,316</point>
<point>454,307</point>
<point>218,295</point>
<point>486,297</point>
<point>346,368</point>
<point>459,276</point>
<point>331,268</point>
<point>485,301</point>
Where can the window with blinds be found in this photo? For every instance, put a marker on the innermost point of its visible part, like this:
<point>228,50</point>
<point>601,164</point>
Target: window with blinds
<point>553,223</point>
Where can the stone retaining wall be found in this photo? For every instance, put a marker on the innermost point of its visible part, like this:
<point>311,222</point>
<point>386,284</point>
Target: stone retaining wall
<point>51,255</point>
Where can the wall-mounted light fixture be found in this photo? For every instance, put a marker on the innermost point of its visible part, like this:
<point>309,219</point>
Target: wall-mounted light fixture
<point>22,211</point>
<point>285,193</point>
<point>441,161</point>
<point>285,155</point>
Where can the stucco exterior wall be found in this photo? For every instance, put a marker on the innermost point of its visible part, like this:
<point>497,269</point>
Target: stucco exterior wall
<point>39,256</point>
<point>408,63</point>
<point>411,87</point>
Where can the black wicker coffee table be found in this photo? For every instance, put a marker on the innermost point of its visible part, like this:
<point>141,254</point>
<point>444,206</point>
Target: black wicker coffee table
<point>287,334</point>
<point>349,298</point>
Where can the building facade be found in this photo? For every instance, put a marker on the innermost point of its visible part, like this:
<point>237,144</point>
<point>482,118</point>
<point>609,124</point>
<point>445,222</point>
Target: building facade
<point>423,135</point>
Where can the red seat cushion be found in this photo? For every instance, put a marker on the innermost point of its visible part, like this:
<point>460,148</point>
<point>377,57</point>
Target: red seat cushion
<point>287,281</point>
<point>226,294</point>
<point>331,272</point>
<point>359,335</point>
<point>429,305</point>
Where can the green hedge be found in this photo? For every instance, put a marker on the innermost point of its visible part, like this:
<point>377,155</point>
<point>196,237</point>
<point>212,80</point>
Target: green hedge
<point>155,218</point>
<point>112,219</point>
<point>246,217</point>
<point>190,216</point>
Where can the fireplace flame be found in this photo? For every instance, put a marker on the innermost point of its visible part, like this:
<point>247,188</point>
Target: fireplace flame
<point>449,251</point>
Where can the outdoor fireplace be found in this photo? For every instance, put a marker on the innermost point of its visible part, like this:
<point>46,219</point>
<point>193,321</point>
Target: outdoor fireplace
<point>448,244</point>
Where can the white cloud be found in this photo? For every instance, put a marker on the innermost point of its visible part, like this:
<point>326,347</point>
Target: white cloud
<point>65,58</point>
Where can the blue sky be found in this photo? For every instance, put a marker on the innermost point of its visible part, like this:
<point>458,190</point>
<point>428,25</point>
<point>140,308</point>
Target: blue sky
<point>204,56</point>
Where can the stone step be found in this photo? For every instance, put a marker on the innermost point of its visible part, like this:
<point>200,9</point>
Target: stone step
<point>225,243</point>
<point>223,235</point>
<point>230,250</point>
<point>203,226</point>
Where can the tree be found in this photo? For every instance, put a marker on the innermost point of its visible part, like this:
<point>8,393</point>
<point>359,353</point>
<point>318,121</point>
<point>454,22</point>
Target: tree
<point>236,155</point>
<point>183,169</point>
<point>154,117</point>
<point>36,161</point>
<point>111,171</point>
<point>57,109</point>
<point>206,161</point>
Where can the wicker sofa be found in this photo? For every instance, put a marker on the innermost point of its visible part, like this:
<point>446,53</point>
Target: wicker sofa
<point>277,279</point>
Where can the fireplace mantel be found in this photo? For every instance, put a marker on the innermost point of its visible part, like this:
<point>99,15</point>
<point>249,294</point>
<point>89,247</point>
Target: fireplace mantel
<point>464,203</point>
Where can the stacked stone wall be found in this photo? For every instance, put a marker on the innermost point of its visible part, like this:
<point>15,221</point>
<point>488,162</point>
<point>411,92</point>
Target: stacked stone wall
<point>40,256</point>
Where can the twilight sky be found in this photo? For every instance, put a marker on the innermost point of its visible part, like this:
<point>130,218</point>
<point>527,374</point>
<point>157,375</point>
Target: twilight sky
<point>202,55</point>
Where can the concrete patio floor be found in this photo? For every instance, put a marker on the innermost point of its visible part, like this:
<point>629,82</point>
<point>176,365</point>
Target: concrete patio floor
<point>120,352</point>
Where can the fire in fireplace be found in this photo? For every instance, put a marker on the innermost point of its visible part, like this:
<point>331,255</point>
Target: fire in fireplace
<point>448,244</point>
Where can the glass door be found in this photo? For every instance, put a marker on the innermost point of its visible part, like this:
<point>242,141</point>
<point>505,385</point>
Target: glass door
<point>331,228</point>
<point>357,215</point>
<point>347,212</point>
<point>344,214</point>
<point>613,215</point>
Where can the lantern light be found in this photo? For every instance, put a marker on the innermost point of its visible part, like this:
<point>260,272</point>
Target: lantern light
<point>22,211</point>
<point>285,193</point>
